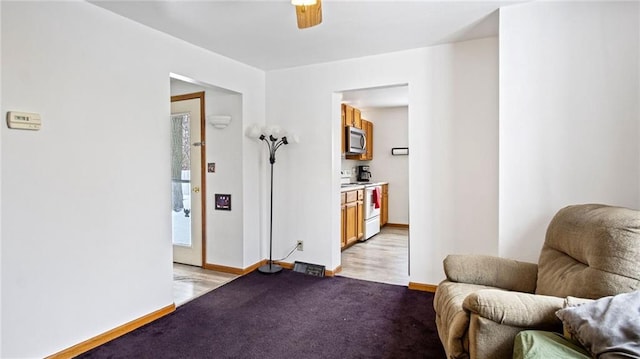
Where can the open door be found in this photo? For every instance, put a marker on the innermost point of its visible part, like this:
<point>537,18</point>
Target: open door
<point>187,189</point>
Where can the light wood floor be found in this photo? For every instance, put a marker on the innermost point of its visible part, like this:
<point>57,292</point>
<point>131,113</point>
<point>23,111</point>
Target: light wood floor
<point>383,258</point>
<point>190,282</point>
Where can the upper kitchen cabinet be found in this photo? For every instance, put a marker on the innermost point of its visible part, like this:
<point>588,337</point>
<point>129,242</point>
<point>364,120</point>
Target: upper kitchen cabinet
<point>347,115</point>
<point>357,119</point>
<point>343,127</point>
<point>368,128</point>
<point>351,116</point>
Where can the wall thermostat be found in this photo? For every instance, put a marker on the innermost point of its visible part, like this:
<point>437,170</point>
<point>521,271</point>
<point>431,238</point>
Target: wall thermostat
<point>24,120</point>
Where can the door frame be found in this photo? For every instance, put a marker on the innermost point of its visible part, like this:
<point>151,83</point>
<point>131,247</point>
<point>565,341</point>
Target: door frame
<point>203,167</point>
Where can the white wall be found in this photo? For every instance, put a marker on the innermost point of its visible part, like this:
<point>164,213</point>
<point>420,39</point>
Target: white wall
<point>224,148</point>
<point>1,134</point>
<point>569,118</point>
<point>86,235</point>
<point>464,150</point>
<point>391,130</point>
<point>452,132</point>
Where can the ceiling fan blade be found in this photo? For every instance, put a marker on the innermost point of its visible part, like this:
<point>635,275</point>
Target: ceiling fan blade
<point>309,15</point>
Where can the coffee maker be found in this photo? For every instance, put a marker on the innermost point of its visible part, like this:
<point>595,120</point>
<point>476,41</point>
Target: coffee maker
<point>363,174</point>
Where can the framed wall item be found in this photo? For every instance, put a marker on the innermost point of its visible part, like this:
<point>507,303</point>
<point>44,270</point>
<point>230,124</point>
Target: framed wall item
<point>223,202</point>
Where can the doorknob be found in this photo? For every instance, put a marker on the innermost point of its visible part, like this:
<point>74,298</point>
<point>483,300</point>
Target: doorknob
<point>196,189</point>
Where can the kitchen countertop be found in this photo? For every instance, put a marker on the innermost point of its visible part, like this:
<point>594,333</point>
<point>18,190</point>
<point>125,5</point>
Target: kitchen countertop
<point>360,185</point>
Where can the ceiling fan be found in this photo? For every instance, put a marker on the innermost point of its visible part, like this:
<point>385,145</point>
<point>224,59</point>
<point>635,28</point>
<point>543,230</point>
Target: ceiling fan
<point>308,12</point>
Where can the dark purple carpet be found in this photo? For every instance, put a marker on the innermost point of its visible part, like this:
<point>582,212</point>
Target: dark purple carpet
<point>290,315</point>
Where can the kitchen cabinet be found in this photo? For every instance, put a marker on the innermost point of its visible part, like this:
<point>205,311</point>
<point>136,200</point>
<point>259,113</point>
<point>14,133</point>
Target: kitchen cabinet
<point>350,225</point>
<point>360,216</point>
<point>343,127</point>
<point>384,205</point>
<point>357,119</point>
<point>368,129</point>
<point>343,209</point>
<point>352,116</point>
<point>347,115</point>
<point>352,209</point>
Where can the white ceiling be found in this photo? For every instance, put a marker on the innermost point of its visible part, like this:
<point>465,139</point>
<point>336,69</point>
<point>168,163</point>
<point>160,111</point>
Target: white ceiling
<point>390,96</point>
<point>264,34</point>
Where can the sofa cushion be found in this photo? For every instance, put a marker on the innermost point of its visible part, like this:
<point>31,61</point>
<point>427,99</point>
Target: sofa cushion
<point>608,327</point>
<point>497,272</point>
<point>576,258</point>
<point>514,308</point>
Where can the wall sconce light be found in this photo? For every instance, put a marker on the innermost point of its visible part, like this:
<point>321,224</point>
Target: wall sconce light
<point>219,121</point>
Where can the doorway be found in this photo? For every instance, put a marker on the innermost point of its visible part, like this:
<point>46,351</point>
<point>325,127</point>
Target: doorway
<point>214,152</point>
<point>187,185</point>
<point>385,256</point>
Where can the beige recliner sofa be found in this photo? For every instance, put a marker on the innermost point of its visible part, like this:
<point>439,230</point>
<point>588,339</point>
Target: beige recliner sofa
<point>590,251</point>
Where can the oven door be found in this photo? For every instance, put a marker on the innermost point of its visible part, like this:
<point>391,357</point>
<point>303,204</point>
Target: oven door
<point>370,209</point>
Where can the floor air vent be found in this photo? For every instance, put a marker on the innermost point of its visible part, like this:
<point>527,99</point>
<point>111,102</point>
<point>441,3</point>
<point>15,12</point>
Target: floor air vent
<point>308,268</point>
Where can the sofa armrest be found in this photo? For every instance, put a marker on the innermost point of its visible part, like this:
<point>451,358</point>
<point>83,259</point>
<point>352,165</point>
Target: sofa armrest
<point>492,271</point>
<point>522,310</point>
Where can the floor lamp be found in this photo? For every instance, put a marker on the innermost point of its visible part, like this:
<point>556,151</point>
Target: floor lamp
<point>274,139</point>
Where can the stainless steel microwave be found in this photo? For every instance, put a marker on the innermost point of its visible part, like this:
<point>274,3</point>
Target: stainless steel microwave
<point>356,140</point>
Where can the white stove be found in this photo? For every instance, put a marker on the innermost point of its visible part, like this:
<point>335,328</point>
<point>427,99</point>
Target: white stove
<point>372,202</point>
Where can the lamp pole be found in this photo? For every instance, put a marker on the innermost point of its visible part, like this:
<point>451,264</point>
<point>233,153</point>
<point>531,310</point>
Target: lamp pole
<point>273,143</point>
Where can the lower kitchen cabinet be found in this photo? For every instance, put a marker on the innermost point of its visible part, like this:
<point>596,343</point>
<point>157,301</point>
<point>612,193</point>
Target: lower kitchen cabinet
<point>384,207</point>
<point>343,208</point>
<point>350,225</point>
<point>360,216</point>
<point>352,209</point>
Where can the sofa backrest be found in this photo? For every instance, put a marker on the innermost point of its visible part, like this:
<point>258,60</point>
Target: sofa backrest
<point>590,251</point>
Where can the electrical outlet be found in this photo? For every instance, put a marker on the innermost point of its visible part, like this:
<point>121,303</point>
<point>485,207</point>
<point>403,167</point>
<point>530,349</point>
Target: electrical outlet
<point>300,246</point>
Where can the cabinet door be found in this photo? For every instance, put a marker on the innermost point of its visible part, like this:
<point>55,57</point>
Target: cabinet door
<point>357,121</point>
<point>384,208</point>
<point>343,221</point>
<point>369,130</point>
<point>360,220</point>
<point>348,115</point>
<point>350,222</point>
<point>343,236</point>
<point>343,112</point>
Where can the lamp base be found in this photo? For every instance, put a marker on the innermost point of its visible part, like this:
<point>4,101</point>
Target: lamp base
<point>270,268</point>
